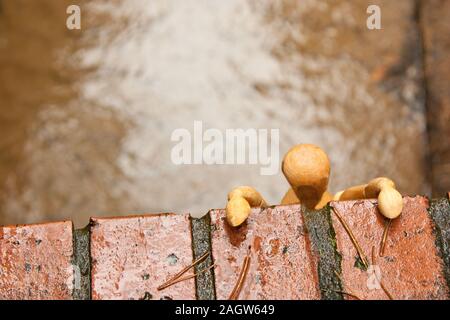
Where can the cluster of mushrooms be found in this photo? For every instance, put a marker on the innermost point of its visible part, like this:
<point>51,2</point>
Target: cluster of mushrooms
<point>307,169</point>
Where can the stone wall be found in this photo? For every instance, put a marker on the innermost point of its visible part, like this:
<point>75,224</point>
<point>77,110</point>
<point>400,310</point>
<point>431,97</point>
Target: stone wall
<point>294,254</point>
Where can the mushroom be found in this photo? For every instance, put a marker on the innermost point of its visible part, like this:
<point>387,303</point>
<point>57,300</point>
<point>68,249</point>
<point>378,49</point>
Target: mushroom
<point>390,202</point>
<point>240,201</point>
<point>307,169</point>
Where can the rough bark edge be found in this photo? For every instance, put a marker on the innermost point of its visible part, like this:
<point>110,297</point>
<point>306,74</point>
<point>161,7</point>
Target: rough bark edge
<point>201,243</point>
<point>439,211</point>
<point>81,262</point>
<point>323,239</point>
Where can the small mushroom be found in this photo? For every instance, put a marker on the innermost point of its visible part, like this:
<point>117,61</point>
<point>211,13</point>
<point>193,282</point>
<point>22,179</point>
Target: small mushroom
<point>240,202</point>
<point>390,202</point>
<point>307,169</point>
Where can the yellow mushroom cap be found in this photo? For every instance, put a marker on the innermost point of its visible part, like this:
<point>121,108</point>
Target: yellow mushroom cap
<point>307,169</point>
<point>376,185</point>
<point>390,203</point>
<point>237,211</point>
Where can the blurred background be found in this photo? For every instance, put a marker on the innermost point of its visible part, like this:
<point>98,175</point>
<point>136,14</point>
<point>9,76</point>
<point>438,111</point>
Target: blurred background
<point>86,115</point>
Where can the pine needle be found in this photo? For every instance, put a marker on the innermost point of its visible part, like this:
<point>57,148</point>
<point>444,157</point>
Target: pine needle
<point>169,284</point>
<point>349,292</point>
<point>352,237</point>
<point>240,282</point>
<point>387,225</point>
<point>379,280</point>
<point>172,280</point>
<point>344,292</point>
